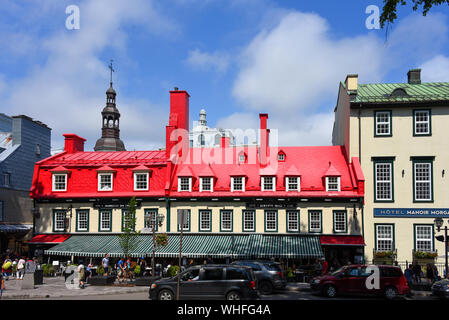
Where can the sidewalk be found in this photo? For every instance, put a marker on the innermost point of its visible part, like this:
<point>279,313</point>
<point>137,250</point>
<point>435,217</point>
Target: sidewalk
<point>55,287</point>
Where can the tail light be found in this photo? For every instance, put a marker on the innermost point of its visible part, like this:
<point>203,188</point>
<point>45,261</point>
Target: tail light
<point>252,284</point>
<point>403,281</point>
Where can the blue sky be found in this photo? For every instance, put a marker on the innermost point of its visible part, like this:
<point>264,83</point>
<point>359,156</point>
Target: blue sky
<point>236,58</point>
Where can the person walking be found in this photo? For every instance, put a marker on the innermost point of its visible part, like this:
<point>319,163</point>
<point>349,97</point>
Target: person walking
<point>105,264</point>
<point>120,270</point>
<point>408,274</point>
<point>417,272</point>
<point>430,273</point>
<point>81,274</point>
<point>21,268</point>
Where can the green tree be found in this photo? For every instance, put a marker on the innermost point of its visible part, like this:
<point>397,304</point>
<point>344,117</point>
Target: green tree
<point>129,238</point>
<point>390,7</point>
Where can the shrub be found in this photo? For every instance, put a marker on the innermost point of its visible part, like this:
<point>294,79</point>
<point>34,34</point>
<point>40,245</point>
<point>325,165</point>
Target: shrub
<point>425,255</point>
<point>48,270</point>
<point>137,270</point>
<point>100,270</point>
<point>173,271</point>
<point>384,254</point>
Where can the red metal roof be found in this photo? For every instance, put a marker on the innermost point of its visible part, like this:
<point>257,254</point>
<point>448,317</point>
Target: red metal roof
<point>49,238</point>
<point>342,240</point>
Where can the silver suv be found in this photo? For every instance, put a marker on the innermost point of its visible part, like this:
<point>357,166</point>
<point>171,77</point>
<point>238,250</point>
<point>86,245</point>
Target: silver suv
<point>269,274</point>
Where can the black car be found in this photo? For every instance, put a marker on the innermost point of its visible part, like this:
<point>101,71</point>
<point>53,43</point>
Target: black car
<point>210,281</point>
<point>269,274</point>
<point>441,289</point>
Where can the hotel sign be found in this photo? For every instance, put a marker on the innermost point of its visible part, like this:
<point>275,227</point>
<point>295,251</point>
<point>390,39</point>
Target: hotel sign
<point>411,213</point>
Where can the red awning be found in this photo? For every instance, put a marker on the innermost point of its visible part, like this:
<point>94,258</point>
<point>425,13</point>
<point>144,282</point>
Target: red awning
<point>342,240</point>
<point>49,238</point>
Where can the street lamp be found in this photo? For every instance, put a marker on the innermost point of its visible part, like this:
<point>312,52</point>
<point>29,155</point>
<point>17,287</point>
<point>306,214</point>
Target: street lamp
<point>439,223</point>
<point>153,223</point>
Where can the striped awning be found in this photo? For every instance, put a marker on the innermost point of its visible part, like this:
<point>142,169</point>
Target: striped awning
<point>197,246</point>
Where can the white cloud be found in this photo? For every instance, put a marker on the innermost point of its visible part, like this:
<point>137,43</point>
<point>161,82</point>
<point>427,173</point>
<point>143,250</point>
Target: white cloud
<point>435,69</point>
<point>217,61</point>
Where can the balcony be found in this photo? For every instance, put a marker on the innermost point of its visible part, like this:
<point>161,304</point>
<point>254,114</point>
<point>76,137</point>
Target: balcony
<point>424,257</point>
<point>385,257</point>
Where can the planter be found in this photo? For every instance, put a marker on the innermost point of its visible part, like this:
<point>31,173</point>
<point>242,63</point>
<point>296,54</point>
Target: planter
<point>146,281</point>
<point>101,280</point>
<point>383,261</point>
<point>424,261</point>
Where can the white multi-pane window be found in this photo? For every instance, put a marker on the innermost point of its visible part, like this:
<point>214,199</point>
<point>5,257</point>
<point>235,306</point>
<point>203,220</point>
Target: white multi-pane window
<point>226,220</point>
<point>423,181</point>
<point>59,220</point>
<point>150,219</point>
<point>237,184</point>
<point>126,220</point>
<point>315,221</point>
<point>424,237</point>
<point>292,184</point>
<point>384,236</point>
<point>186,226</point>
<point>59,182</point>
<point>242,157</point>
<point>281,156</point>
<point>383,123</point>
<point>206,184</point>
<point>340,221</point>
<point>268,184</point>
<point>105,220</point>
<point>185,184</point>
<point>105,182</point>
<point>249,220</point>
<point>384,181</point>
<point>422,122</point>
<point>141,181</point>
<point>332,183</point>
<point>292,221</point>
<point>205,220</point>
<point>83,220</point>
<point>270,220</point>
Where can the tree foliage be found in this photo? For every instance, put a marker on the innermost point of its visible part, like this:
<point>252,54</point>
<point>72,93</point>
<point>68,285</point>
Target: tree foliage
<point>129,238</point>
<point>390,8</point>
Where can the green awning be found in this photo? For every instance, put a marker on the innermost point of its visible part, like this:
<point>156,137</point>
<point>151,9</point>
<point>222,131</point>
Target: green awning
<point>197,246</point>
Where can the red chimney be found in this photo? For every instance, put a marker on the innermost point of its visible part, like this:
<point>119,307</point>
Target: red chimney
<point>73,143</point>
<point>224,142</point>
<point>178,119</point>
<point>264,136</point>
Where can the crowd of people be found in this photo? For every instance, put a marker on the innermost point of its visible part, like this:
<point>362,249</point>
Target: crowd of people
<point>414,273</point>
<point>13,265</point>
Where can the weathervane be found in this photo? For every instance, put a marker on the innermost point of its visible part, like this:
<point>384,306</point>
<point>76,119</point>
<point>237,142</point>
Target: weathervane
<point>112,70</point>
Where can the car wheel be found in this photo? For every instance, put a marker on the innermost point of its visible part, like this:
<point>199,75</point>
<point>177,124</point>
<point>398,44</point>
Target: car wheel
<point>166,295</point>
<point>391,293</point>
<point>233,295</point>
<point>266,287</point>
<point>330,291</point>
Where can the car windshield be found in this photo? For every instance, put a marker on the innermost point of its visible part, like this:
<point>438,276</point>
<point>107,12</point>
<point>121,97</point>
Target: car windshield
<point>272,266</point>
<point>337,271</point>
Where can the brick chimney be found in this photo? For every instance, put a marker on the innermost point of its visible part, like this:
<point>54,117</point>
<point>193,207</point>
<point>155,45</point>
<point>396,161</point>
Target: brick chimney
<point>178,119</point>
<point>414,76</point>
<point>264,137</point>
<point>73,143</point>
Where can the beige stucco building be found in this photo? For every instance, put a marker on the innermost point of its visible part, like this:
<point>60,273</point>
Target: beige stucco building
<point>398,131</point>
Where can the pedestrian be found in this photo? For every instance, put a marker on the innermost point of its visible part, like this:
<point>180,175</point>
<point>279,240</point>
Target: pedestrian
<point>325,267</point>
<point>120,269</point>
<point>89,270</point>
<point>408,274</point>
<point>417,272</point>
<point>81,274</point>
<point>128,268</point>
<point>105,264</point>
<point>6,266</point>
<point>209,260</point>
<point>21,268</point>
<point>429,273</point>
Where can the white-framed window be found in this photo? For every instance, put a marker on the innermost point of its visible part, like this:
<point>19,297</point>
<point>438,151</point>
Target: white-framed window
<point>281,156</point>
<point>315,221</point>
<point>249,217</point>
<point>271,220</point>
<point>105,182</point>
<point>383,123</point>
<point>423,181</point>
<point>340,222</point>
<point>150,219</point>
<point>383,181</point>
<point>242,157</point>
<point>332,183</point>
<point>126,220</point>
<point>226,220</point>
<point>186,226</point>
<point>185,184</point>
<point>268,183</point>
<point>384,237</point>
<point>59,220</point>
<point>82,220</point>
<point>59,182</point>
<point>293,183</point>
<point>206,184</point>
<point>292,220</point>
<point>237,184</point>
<point>423,237</point>
<point>141,181</point>
<point>205,220</point>
<point>6,179</point>
<point>105,220</point>
<point>422,122</point>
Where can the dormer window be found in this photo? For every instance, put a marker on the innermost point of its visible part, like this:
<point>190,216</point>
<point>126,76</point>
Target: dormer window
<point>332,183</point>
<point>206,184</point>
<point>105,181</point>
<point>141,181</point>
<point>268,183</point>
<point>59,182</point>
<point>292,184</point>
<point>281,156</point>
<point>242,157</point>
<point>237,184</point>
<point>185,184</point>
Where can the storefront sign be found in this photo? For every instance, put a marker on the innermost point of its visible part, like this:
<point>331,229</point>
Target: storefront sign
<point>271,205</point>
<point>114,205</point>
<point>411,213</point>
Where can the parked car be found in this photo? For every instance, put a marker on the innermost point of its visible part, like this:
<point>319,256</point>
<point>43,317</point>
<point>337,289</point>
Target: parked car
<point>352,279</point>
<point>269,274</point>
<point>441,289</point>
<point>210,281</point>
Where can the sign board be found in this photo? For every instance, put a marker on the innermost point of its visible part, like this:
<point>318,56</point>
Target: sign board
<point>183,217</point>
<point>56,263</point>
<point>271,205</point>
<point>411,213</point>
<point>114,205</point>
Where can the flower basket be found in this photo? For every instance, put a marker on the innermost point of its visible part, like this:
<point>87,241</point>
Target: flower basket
<point>383,257</point>
<point>162,239</point>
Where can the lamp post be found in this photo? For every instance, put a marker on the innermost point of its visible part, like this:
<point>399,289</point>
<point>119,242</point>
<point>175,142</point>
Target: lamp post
<point>439,223</point>
<point>157,221</point>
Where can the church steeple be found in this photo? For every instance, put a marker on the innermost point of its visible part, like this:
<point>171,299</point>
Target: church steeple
<point>110,132</point>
